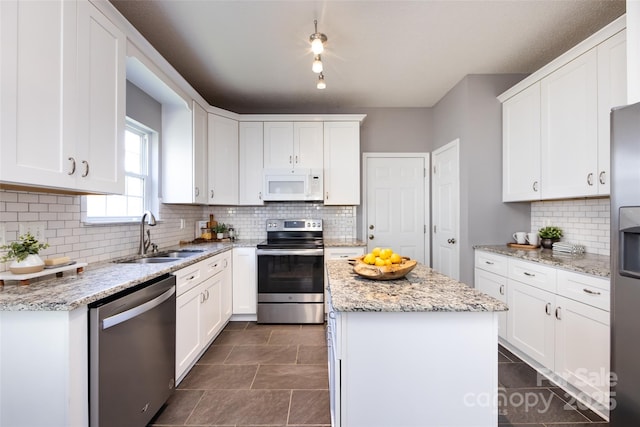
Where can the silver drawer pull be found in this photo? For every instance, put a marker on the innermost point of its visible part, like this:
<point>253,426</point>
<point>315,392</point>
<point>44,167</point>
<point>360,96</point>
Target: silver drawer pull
<point>526,273</point>
<point>501,289</point>
<point>488,262</point>
<point>547,309</point>
<point>590,292</point>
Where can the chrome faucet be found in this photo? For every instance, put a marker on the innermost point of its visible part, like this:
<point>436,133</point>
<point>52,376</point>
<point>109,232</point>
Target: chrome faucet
<point>145,242</point>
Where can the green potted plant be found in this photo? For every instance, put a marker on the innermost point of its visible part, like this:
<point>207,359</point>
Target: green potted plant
<point>219,229</point>
<point>24,252</point>
<point>549,235</point>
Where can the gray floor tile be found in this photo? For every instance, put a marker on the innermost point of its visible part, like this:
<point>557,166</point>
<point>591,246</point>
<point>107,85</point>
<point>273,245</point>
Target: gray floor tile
<point>214,377</point>
<point>220,407</point>
<point>310,407</point>
<point>535,405</point>
<point>178,407</point>
<point>246,337</point>
<point>308,377</point>
<point>312,354</point>
<point>519,375</point>
<point>296,337</point>
<point>263,354</point>
<point>215,355</point>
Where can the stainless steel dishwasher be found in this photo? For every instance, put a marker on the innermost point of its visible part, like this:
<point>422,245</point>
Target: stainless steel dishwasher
<point>132,339</point>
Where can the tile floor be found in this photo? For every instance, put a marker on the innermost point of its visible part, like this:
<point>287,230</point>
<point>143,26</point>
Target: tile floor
<point>276,375</point>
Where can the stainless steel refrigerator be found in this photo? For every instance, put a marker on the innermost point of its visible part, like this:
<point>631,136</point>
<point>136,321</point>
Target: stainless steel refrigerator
<point>625,266</point>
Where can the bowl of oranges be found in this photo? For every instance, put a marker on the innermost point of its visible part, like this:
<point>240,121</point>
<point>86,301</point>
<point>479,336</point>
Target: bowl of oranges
<point>383,264</point>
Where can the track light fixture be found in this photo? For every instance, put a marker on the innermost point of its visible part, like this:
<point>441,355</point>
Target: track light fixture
<point>321,83</point>
<point>317,47</point>
<point>317,40</point>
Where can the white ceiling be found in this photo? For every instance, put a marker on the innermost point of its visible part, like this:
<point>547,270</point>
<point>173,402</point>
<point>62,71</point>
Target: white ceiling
<point>254,57</point>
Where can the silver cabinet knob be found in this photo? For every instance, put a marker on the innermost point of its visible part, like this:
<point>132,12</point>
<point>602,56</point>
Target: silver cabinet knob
<point>370,236</point>
<point>371,227</point>
<point>452,240</point>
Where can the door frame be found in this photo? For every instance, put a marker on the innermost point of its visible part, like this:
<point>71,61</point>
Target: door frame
<point>455,144</point>
<point>427,195</point>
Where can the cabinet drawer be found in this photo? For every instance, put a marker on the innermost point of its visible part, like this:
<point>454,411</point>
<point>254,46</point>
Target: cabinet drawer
<point>594,291</point>
<point>533,274</point>
<point>214,265</point>
<point>188,277</point>
<point>491,262</point>
<point>340,253</point>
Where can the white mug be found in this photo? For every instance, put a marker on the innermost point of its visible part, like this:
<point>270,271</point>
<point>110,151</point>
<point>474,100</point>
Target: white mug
<point>532,239</point>
<point>520,237</point>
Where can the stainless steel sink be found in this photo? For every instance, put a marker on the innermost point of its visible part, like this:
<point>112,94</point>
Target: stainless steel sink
<point>161,257</point>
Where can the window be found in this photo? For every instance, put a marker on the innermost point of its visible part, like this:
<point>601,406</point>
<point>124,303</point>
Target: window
<point>139,181</point>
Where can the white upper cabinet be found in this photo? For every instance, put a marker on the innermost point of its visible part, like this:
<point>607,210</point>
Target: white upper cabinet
<point>521,146</point>
<point>342,163</point>
<point>63,97</point>
<point>612,92</point>
<point>223,161</point>
<point>563,109</point>
<point>250,163</point>
<point>570,129</point>
<point>290,145</point>
<point>200,142</point>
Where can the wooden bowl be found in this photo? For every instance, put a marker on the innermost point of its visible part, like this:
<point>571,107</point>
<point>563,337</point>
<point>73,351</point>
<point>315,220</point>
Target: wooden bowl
<point>387,272</point>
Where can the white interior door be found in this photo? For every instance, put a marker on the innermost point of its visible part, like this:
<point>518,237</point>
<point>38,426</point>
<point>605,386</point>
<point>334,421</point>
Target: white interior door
<point>446,210</point>
<point>396,189</point>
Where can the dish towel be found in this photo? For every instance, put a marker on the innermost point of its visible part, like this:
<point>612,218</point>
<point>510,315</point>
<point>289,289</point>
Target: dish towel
<point>567,247</point>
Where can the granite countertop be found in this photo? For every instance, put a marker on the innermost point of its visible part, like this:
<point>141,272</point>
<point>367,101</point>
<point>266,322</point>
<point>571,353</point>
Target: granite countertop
<point>98,281</point>
<point>596,265</point>
<point>337,243</point>
<point>423,289</point>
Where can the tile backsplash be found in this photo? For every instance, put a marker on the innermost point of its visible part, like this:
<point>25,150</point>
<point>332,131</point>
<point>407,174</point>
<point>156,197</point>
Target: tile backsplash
<point>68,236</point>
<point>583,221</point>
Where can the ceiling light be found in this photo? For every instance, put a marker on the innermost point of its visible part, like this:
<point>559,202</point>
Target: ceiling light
<point>317,40</point>
<point>321,83</point>
<point>317,65</point>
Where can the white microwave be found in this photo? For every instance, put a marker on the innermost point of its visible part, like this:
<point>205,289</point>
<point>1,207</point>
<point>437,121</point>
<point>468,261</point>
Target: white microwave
<point>292,184</point>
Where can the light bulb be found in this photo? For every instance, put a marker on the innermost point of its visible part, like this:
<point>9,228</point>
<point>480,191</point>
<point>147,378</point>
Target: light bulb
<point>317,65</point>
<point>321,83</point>
<point>317,46</point>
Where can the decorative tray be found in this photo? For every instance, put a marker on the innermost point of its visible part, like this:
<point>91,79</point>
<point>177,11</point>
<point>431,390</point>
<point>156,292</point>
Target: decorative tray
<point>521,246</point>
<point>58,270</point>
<point>387,272</point>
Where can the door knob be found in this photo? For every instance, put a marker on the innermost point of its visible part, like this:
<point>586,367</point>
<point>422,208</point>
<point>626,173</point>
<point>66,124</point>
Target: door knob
<point>452,240</point>
<point>370,236</point>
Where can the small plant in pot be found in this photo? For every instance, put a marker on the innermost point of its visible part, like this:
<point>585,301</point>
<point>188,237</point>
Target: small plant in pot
<point>24,252</point>
<point>549,235</point>
<point>219,230</point>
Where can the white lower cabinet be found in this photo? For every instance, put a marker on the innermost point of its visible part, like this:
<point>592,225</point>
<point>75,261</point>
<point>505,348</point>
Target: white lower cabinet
<point>495,286</point>
<point>558,321</point>
<point>531,322</point>
<point>245,281</point>
<point>203,307</point>
<point>338,253</point>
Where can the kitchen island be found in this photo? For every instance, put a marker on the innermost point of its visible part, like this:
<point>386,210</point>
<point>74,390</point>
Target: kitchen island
<point>418,351</point>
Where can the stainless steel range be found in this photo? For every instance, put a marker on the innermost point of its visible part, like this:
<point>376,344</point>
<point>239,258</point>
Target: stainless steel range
<point>291,272</point>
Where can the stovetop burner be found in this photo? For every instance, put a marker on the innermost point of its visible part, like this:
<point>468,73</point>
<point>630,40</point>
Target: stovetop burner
<point>293,234</point>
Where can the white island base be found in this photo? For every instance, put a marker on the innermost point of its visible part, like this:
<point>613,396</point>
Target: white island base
<point>413,369</point>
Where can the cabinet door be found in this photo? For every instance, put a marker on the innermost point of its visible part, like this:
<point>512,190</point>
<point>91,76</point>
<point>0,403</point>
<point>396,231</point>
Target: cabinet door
<point>307,145</point>
<point>37,74</point>
<point>211,315</point>
<point>188,329</point>
<point>101,94</point>
<point>612,92</point>
<point>342,163</point>
<point>582,348</point>
<point>530,321</point>
<point>245,281</point>
<point>570,129</point>
<point>250,163</point>
<point>200,160</point>
<point>495,286</point>
<point>226,293</point>
<point>223,161</point>
<point>521,146</point>
<point>278,145</point>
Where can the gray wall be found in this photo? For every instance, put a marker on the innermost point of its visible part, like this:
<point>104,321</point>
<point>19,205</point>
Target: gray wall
<point>143,108</point>
<point>471,112</point>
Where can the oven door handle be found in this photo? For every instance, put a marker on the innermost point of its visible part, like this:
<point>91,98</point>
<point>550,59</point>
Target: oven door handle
<point>299,252</point>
